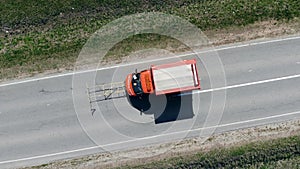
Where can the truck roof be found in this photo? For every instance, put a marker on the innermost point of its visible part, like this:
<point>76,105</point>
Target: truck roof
<point>175,77</point>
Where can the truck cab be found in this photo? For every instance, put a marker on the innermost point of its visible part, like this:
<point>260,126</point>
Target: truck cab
<point>138,84</point>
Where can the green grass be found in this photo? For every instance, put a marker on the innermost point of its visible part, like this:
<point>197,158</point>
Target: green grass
<point>292,163</point>
<point>268,154</point>
<point>43,35</point>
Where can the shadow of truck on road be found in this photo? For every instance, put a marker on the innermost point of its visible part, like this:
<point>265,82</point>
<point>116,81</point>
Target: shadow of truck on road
<point>165,108</point>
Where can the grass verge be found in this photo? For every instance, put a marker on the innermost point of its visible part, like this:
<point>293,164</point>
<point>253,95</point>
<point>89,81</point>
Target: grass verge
<point>268,154</point>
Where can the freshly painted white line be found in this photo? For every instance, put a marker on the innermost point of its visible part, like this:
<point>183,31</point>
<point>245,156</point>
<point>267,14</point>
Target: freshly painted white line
<point>150,137</point>
<point>166,58</point>
<point>249,84</point>
<point>242,85</point>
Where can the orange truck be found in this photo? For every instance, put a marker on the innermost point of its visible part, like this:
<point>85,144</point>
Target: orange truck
<point>164,79</point>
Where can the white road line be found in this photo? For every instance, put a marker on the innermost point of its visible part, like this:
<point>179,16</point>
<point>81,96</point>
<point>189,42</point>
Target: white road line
<point>242,85</point>
<point>249,84</point>
<point>150,137</point>
<point>166,58</point>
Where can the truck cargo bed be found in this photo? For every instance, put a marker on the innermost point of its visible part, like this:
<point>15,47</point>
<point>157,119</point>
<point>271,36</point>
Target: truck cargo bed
<point>175,77</point>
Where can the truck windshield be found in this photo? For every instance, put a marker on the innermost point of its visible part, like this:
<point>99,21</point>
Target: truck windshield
<point>136,83</point>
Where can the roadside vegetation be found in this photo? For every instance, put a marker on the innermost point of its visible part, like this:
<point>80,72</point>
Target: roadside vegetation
<point>277,153</point>
<point>36,36</point>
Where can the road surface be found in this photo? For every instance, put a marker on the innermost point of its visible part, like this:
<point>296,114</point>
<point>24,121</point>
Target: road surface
<point>38,121</point>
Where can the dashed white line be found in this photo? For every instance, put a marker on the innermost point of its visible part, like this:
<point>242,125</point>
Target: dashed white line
<point>166,58</point>
<point>150,137</point>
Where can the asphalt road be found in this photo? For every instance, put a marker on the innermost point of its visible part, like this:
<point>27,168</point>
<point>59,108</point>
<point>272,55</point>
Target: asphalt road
<point>39,123</point>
